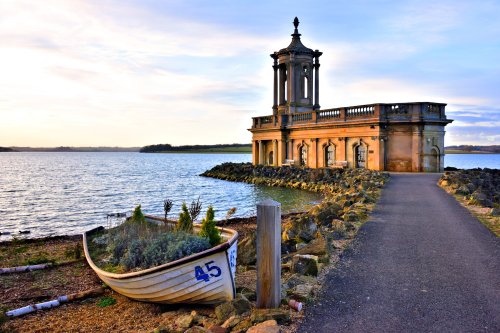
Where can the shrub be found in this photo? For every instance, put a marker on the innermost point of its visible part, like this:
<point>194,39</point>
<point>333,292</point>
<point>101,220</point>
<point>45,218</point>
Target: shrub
<point>195,209</point>
<point>134,256</point>
<point>185,222</point>
<point>138,216</point>
<point>208,228</point>
<point>173,246</point>
<point>167,206</point>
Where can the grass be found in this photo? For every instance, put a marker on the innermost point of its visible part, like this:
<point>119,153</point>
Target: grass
<point>106,301</point>
<point>20,253</point>
<point>224,150</point>
<point>457,151</point>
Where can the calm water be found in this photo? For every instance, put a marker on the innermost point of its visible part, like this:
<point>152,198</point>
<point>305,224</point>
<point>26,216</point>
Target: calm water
<point>469,161</point>
<point>67,193</point>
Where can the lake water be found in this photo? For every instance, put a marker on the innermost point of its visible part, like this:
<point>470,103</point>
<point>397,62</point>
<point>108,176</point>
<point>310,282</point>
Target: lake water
<point>470,161</point>
<point>68,193</point>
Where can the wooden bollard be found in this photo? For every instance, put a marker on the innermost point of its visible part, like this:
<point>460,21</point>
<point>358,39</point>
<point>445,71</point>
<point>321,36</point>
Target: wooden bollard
<point>268,254</point>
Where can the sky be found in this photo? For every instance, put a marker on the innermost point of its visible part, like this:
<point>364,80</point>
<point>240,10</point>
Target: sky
<point>133,73</point>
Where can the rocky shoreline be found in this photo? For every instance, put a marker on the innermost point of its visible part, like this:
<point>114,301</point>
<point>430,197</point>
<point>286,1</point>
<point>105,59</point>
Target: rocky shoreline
<point>312,242</point>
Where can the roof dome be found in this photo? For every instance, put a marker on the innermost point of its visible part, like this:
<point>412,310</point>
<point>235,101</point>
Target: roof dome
<point>296,46</point>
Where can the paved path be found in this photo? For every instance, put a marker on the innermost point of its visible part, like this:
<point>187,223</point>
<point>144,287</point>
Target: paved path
<point>422,263</point>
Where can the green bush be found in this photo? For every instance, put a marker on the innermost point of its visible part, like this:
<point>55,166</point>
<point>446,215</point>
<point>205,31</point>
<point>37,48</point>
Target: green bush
<point>138,216</point>
<point>173,246</point>
<point>208,228</point>
<point>185,222</point>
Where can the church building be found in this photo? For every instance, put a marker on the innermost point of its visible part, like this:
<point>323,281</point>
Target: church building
<point>392,137</point>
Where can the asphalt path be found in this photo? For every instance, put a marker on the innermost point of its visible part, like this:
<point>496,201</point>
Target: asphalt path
<point>422,263</point>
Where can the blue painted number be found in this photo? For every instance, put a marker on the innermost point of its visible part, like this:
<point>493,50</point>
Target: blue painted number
<point>200,274</point>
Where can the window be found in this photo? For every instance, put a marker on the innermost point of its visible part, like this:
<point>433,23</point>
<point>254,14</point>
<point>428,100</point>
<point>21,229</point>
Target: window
<point>329,155</point>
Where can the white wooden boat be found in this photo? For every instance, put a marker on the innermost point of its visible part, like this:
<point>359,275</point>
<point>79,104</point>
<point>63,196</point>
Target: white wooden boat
<point>203,278</point>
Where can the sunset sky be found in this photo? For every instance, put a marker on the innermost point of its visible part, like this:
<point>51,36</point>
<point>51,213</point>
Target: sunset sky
<point>133,73</point>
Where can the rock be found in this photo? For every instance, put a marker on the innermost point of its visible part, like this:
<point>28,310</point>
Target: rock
<point>302,227</point>
<point>269,326</point>
<point>316,247</point>
<point>235,307</point>
<point>297,279</point>
<point>261,315</point>
<point>242,326</point>
<point>305,264</point>
<point>301,292</point>
<point>197,329</point>
<point>231,322</point>
<point>217,329</point>
<point>247,254</point>
<point>184,322</point>
<point>249,294</point>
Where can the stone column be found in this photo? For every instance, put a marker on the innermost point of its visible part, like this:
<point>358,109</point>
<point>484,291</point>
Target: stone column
<point>261,152</point>
<point>275,152</point>
<point>275,86</point>
<point>290,149</point>
<point>316,85</point>
<point>255,152</point>
<point>291,82</point>
<point>282,84</point>
<point>282,152</point>
<point>314,153</point>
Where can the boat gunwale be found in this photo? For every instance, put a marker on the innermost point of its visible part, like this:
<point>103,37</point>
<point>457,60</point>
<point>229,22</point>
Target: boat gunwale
<point>172,264</point>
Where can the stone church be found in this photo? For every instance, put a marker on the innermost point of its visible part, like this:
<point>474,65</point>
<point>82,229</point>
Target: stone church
<point>392,137</point>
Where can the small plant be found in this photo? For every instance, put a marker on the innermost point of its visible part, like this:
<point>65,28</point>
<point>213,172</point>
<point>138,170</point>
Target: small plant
<point>230,213</point>
<point>138,216</point>
<point>106,301</point>
<point>74,253</point>
<point>185,222</point>
<point>167,207</point>
<point>208,228</point>
<point>195,209</point>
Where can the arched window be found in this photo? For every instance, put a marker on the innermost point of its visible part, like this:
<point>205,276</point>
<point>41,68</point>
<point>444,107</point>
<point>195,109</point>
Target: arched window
<point>305,82</point>
<point>329,155</point>
<point>360,156</point>
<point>303,155</point>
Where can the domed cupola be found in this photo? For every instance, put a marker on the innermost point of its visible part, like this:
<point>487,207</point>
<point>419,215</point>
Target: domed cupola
<point>293,76</point>
<point>296,46</point>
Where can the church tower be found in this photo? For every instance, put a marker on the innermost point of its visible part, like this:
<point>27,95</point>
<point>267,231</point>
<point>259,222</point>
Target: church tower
<point>293,77</point>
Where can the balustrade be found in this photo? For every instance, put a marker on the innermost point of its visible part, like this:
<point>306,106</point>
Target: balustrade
<point>301,117</point>
<point>360,111</point>
<point>328,114</point>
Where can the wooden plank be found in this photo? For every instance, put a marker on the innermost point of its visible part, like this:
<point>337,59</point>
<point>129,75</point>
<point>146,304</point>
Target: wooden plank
<point>268,254</point>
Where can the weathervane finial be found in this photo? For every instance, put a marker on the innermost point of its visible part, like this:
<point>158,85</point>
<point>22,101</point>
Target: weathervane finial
<point>296,22</point>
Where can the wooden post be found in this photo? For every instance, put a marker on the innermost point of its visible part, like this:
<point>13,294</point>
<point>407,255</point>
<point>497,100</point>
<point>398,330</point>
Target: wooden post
<point>268,254</point>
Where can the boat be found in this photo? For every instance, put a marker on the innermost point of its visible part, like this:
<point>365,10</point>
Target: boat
<point>206,277</point>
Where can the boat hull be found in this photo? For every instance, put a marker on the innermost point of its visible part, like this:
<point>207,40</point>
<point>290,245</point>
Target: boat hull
<point>203,278</point>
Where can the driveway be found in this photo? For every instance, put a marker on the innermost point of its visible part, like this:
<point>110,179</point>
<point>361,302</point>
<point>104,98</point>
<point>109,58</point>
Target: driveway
<point>422,263</point>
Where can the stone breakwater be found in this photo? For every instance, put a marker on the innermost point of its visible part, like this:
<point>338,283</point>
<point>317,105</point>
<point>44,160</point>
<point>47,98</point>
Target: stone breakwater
<point>316,180</point>
<point>310,240</point>
<point>348,196</point>
<point>479,191</point>
<point>477,186</point>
